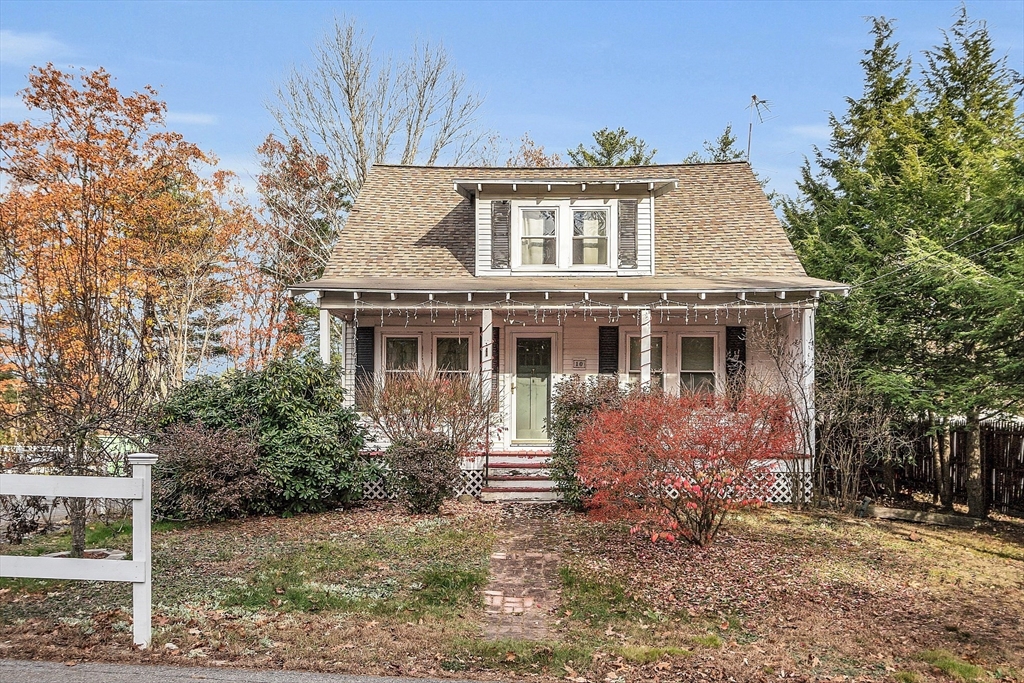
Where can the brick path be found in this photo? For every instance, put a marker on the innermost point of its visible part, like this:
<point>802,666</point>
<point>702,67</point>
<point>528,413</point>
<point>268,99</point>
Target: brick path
<point>523,590</point>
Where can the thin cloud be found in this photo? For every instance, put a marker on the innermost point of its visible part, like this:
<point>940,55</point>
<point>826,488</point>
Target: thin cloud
<point>29,48</point>
<point>191,118</point>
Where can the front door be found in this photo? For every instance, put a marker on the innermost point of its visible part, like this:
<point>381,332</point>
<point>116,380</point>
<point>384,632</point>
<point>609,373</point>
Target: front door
<point>532,388</point>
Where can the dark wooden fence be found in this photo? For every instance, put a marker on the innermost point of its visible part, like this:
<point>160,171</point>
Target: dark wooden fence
<point>1002,465</point>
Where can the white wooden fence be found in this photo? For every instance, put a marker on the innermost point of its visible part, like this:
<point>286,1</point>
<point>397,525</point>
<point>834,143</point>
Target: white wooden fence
<point>138,571</point>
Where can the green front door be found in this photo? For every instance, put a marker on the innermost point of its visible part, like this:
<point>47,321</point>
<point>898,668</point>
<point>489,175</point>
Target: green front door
<point>532,388</point>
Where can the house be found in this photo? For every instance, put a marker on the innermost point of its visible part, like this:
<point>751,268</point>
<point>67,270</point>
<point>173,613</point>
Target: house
<point>527,275</point>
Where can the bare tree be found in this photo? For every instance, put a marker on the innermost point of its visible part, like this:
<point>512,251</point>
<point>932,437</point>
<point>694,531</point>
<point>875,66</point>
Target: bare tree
<point>852,425</point>
<point>358,109</point>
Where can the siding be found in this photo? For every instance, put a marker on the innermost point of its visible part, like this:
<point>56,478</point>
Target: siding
<point>644,239</point>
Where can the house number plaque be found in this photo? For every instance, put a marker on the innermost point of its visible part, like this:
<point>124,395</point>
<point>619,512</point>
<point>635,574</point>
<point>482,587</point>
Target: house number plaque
<point>579,363</point>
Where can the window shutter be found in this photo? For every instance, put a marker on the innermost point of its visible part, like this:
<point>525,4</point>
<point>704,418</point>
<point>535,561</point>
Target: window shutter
<point>627,233</point>
<point>501,233</point>
<point>608,350</point>
<point>364,362</point>
<point>736,355</point>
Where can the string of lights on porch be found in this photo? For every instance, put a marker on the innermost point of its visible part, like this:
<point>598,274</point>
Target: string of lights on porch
<point>516,312</point>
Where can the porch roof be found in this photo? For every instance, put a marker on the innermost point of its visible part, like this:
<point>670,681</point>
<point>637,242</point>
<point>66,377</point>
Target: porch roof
<point>680,285</point>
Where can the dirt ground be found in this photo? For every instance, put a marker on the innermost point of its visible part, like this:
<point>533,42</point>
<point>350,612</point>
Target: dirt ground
<point>801,596</point>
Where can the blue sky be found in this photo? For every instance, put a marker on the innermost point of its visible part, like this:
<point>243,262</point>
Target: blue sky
<point>673,73</point>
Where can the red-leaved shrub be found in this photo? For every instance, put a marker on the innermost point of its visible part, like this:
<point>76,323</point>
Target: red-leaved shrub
<point>674,466</point>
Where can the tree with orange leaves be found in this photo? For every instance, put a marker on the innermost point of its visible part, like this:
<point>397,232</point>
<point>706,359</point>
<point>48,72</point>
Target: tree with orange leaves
<point>112,249</point>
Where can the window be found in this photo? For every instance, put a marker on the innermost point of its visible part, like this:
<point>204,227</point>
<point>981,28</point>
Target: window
<point>401,355</point>
<point>452,356</point>
<point>657,365</point>
<point>563,234</point>
<point>697,364</point>
<point>539,245</point>
<point>590,237</point>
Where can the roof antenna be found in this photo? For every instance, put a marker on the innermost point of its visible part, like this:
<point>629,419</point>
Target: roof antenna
<point>756,105</point>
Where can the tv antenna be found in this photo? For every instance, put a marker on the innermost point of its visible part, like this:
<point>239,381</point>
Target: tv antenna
<point>756,105</point>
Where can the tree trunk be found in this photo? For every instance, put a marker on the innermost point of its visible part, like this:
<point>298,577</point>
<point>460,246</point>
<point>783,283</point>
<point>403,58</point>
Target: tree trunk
<point>936,465</point>
<point>976,498</point>
<point>889,478</point>
<point>944,474</point>
<point>76,511</point>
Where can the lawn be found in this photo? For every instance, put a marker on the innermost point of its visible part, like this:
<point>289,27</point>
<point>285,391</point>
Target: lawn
<point>782,594</point>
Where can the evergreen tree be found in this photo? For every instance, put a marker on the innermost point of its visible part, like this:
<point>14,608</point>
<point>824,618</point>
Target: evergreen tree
<point>613,148</point>
<point>917,203</point>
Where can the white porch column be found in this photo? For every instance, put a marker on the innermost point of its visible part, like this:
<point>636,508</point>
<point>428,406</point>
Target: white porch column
<point>325,336</point>
<point>807,363</point>
<point>645,348</point>
<point>486,351</point>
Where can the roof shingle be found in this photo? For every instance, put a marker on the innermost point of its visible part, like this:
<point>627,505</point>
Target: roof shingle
<point>409,222</point>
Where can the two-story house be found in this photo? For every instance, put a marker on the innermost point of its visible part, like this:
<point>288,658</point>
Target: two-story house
<point>527,275</point>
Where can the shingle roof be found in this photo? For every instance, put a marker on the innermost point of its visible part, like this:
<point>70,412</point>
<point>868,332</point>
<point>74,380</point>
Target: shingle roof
<point>409,222</point>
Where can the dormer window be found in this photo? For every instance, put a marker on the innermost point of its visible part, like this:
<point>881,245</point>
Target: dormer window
<point>539,237</point>
<point>590,237</point>
<point>563,234</point>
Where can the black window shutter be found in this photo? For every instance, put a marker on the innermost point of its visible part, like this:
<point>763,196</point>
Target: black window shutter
<point>608,350</point>
<point>736,355</point>
<point>627,233</point>
<point>364,362</point>
<point>501,233</point>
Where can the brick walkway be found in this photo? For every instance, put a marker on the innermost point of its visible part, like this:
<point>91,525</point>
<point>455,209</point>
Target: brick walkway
<point>523,591</point>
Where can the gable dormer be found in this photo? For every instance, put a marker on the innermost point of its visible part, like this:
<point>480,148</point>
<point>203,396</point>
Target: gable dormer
<point>558,227</point>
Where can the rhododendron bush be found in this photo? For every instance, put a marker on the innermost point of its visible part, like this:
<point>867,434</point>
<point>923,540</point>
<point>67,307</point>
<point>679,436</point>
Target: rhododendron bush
<point>675,466</point>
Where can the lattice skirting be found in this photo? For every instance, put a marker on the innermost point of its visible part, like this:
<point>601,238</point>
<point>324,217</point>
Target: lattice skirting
<point>787,473</point>
<point>472,483</point>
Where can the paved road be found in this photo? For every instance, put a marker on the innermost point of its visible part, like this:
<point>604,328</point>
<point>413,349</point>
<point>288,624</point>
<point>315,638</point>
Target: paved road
<point>18,671</point>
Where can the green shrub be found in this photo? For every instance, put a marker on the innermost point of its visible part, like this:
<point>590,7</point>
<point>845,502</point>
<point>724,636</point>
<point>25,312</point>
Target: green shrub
<point>206,474</point>
<point>307,442</point>
<point>573,401</point>
<point>424,472</point>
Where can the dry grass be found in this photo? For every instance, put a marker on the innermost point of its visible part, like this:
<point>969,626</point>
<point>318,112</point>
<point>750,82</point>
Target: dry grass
<point>800,595</point>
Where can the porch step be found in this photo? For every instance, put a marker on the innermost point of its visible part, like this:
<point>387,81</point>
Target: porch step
<point>519,494</point>
<point>516,469</point>
<point>510,481</point>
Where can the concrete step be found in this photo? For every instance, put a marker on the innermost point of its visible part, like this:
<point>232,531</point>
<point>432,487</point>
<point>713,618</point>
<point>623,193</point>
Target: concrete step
<point>519,494</point>
<point>519,481</point>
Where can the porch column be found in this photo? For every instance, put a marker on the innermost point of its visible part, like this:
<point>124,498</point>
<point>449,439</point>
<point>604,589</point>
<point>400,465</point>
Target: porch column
<point>325,336</point>
<point>807,364</point>
<point>645,348</point>
<point>486,351</point>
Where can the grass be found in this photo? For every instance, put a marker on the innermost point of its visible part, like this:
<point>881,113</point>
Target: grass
<point>645,654</point>
<point>597,600</point>
<point>432,569</point>
<point>952,666</point>
<point>376,591</point>
<point>517,655</point>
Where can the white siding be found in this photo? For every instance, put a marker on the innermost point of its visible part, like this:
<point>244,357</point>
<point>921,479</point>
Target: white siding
<point>644,237</point>
<point>349,364</point>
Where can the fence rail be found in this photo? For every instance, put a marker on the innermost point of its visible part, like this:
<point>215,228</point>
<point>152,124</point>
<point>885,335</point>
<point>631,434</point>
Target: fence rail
<point>138,571</point>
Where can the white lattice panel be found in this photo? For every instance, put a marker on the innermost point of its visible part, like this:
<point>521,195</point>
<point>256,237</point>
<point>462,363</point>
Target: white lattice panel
<point>472,483</point>
<point>781,489</point>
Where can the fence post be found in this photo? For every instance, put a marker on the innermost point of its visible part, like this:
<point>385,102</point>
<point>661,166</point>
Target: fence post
<point>142,549</point>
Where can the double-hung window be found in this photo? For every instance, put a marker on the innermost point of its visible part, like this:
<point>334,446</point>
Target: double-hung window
<point>590,237</point>
<point>697,364</point>
<point>452,356</point>
<point>564,234</point>
<point>657,360</point>
<point>539,241</point>
<point>401,355</point>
